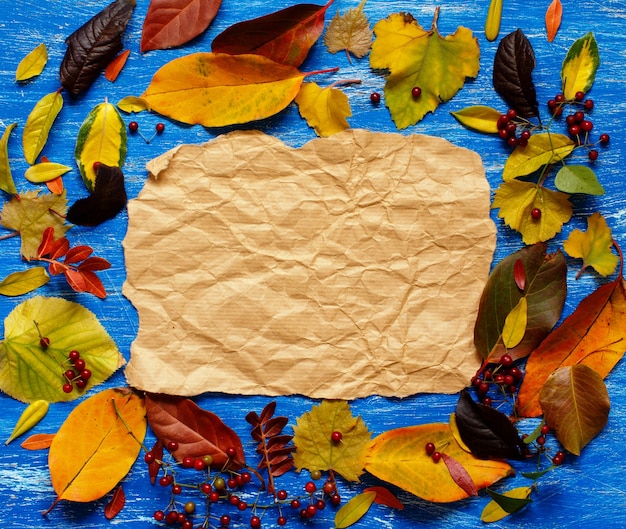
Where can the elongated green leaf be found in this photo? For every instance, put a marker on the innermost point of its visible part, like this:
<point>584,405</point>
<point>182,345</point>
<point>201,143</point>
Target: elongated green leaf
<point>578,179</point>
<point>19,283</point>
<point>515,324</point>
<point>579,66</point>
<point>39,123</point>
<point>501,505</point>
<point>32,64</point>
<point>45,171</point>
<point>354,510</point>
<point>33,413</point>
<point>542,149</point>
<point>6,178</point>
<point>479,118</point>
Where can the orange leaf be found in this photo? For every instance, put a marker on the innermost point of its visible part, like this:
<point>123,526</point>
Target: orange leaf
<point>39,441</point>
<point>55,185</point>
<point>593,335</point>
<point>554,14</point>
<point>385,497</point>
<point>114,68</point>
<point>112,509</point>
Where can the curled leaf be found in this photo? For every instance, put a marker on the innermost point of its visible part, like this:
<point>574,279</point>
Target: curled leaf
<point>579,66</point>
<point>116,504</point>
<point>39,123</point>
<point>354,509</point>
<point>32,64</point>
<point>19,283</point>
<point>479,118</point>
<point>554,14</point>
<point>6,178</point>
<point>350,31</point>
<point>30,417</point>
<point>325,109</point>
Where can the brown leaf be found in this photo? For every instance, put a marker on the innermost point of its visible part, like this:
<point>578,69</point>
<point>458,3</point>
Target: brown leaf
<point>112,509</point>
<point>38,441</point>
<point>154,467</point>
<point>554,14</point>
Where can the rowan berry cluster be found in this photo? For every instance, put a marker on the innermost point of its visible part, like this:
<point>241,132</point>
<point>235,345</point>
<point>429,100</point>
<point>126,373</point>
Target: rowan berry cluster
<point>78,374</point>
<point>504,376</point>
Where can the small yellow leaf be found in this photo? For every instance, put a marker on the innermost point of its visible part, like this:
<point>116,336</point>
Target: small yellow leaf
<point>6,178</point>
<point>19,283</point>
<point>493,512</point>
<point>542,149</point>
<point>130,104</point>
<point>494,17</point>
<point>32,64</point>
<point>354,510</point>
<point>39,123</point>
<point>45,171</point>
<point>324,109</point>
<point>350,31</point>
<point>515,324</point>
<point>31,416</point>
<point>479,118</point>
<point>454,428</point>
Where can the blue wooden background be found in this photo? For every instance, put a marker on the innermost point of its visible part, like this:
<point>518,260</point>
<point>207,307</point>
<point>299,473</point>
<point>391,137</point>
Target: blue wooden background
<point>589,490</point>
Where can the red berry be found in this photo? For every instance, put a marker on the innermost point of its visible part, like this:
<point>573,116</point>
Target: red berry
<point>499,378</point>
<point>509,380</point>
<point>335,499</point>
<point>176,489</point>
<point>80,383</point>
<point>558,458</point>
<point>570,120</point>
<point>282,494</point>
<point>436,457</point>
<point>593,155</point>
<point>559,98</point>
<point>375,98</point>
<point>535,213</point>
<point>416,92</point>
<point>311,510</point>
<point>506,360</point>
<point>525,135</point>
<point>512,141</point>
<point>171,518</point>
<point>149,457</point>
<point>558,112</point>
<point>483,388</point>
<point>579,96</point>
<point>320,505</point>
<point>502,121</point>
<point>73,356</point>
<point>545,429</point>
<point>164,481</point>
<point>85,374</point>
<point>579,116</point>
<point>588,104</point>
<point>69,375</point>
<point>242,506</point>
<point>225,519</point>
<point>187,462</point>
<point>551,105</point>
<point>214,497</point>
<point>159,516</point>
<point>329,487</point>
<point>133,126</point>
<point>336,437</point>
<point>281,520</point>
<point>574,130</point>
<point>255,522</point>
<point>487,401</point>
<point>541,440</point>
<point>68,388</point>
<point>231,452</point>
<point>159,127</point>
<point>430,448</point>
<point>44,342</point>
<point>586,125</point>
<point>295,504</point>
<point>187,524</point>
<point>516,373</point>
<point>172,446</point>
<point>206,488</point>
<point>80,364</point>
<point>503,133</point>
<point>232,483</point>
<point>511,113</point>
<point>234,500</point>
<point>604,139</point>
<point>310,487</point>
<point>198,464</point>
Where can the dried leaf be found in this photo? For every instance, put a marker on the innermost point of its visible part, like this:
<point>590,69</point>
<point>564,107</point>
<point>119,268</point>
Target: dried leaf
<point>45,171</point>
<point>512,74</point>
<point>113,69</point>
<point>38,441</point>
<point>19,283</point>
<point>350,31</point>
<point>92,46</point>
<point>578,179</point>
<point>6,179</point>
<point>494,17</point>
<point>285,36</point>
<point>32,64</point>
<point>479,118</point>
<point>385,497</point>
<point>459,474</point>
<point>502,505</point>
<point>325,109</point>
<point>576,405</point>
<point>354,509</point>
<point>39,123</point>
<point>515,324</point>
<point>171,23</point>
<point>542,149</point>
<point>554,14</point>
<point>579,66</point>
<point>113,508</point>
<point>29,418</point>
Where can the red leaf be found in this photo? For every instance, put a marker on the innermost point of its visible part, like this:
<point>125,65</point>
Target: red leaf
<point>198,432</point>
<point>267,412</point>
<point>460,475</point>
<point>519,274</point>
<point>285,36</point>
<point>155,466</point>
<point>112,509</point>
<point>38,441</point>
<point>114,68</point>
<point>385,497</point>
<point>93,285</point>
<point>170,23</point>
<point>55,268</point>
<point>55,185</point>
<point>77,254</point>
<point>554,14</point>
<point>47,238</point>
<point>274,426</point>
<point>94,263</point>
<point>59,248</point>
<point>75,280</point>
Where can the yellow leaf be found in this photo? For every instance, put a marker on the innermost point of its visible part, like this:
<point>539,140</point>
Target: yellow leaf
<point>6,178</point>
<point>579,66</point>
<point>454,428</point>
<point>494,17</point>
<point>101,138</point>
<point>542,149</point>
<point>422,59</point>
<point>19,283</point>
<point>517,200</point>
<point>39,123</point>
<point>354,510</point>
<point>479,118</point>
<point>515,324</point>
<point>593,246</point>
<point>93,450</point>
<point>324,109</point>
<point>493,512</point>
<point>132,104</point>
<point>350,31</point>
<point>45,171</point>
<point>315,449</point>
<point>399,457</point>
<point>31,416</point>
<point>32,64</point>
<point>217,89</point>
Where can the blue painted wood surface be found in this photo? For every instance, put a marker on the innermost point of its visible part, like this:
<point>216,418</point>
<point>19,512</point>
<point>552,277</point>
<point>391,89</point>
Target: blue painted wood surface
<point>588,491</point>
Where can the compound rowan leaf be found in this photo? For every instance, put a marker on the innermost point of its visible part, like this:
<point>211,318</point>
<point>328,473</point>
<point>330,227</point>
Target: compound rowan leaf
<point>19,283</point>
<point>39,123</point>
<point>542,149</point>
<point>32,64</point>
<point>350,31</point>
<point>6,178</point>
<point>593,246</point>
<point>45,171</point>
<point>578,179</point>
<point>479,118</point>
<point>87,463</point>
<point>421,58</point>
<point>218,89</point>
<point>285,36</point>
<point>579,66</point>
<point>315,449</point>
<point>324,109</point>
<point>354,509</point>
<point>554,14</point>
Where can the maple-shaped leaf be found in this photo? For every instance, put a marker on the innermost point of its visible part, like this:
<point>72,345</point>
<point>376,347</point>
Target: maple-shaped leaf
<point>31,214</point>
<point>325,109</point>
<point>536,212</point>
<point>423,59</point>
<point>593,246</point>
<point>350,31</point>
<point>315,448</point>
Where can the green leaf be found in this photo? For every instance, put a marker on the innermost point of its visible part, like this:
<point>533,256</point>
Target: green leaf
<point>6,179</point>
<point>515,324</point>
<point>501,505</point>
<point>32,64</point>
<point>31,416</point>
<point>45,171</point>
<point>19,283</point>
<point>536,475</point>
<point>479,118</point>
<point>29,372</point>
<point>354,510</point>
<point>39,123</point>
<point>542,149</point>
<point>579,66</point>
<point>578,179</point>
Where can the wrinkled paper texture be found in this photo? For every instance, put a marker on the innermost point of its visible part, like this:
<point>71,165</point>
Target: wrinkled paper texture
<point>351,266</point>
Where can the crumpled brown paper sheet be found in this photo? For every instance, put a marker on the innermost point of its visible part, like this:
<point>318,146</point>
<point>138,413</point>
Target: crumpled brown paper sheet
<point>348,267</point>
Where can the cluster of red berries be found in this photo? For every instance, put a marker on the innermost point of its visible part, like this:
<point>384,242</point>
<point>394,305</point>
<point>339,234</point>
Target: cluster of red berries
<point>159,128</point>
<point>540,441</point>
<point>431,451</point>
<point>77,375</point>
<point>505,376</point>
<point>508,125</point>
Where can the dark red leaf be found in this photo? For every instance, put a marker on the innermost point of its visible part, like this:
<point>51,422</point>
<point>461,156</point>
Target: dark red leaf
<point>385,497</point>
<point>94,264</point>
<point>274,426</point>
<point>253,418</point>
<point>59,248</point>
<point>519,274</point>
<point>77,254</point>
<point>282,468</point>
<point>75,279</point>
<point>112,509</point>
<point>155,466</point>
<point>279,441</point>
<point>56,268</point>
<point>267,412</point>
<point>47,238</point>
<point>460,475</point>
<point>93,284</point>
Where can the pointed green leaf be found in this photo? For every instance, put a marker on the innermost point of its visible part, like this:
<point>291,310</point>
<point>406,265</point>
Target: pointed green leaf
<point>515,324</point>
<point>32,64</point>
<point>6,178</point>
<point>479,118</point>
<point>578,179</point>
<point>579,66</point>
<point>45,171</point>
<point>19,283</point>
<point>33,413</point>
<point>542,149</point>
<point>354,510</point>
<point>501,505</point>
<point>39,123</point>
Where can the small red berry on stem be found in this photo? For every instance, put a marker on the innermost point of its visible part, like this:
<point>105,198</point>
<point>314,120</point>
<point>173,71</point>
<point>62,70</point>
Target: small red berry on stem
<point>336,437</point>
<point>579,96</point>
<point>68,388</point>
<point>506,360</point>
<point>436,457</point>
<point>604,139</point>
<point>430,448</point>
<point>133,127</point>
<point>73,355</point>
<point>593,155</point>
<point>159,127</point>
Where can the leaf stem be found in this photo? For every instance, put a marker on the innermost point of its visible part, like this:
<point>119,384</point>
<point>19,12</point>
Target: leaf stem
<point>117,412</point>
<point>9,235</point>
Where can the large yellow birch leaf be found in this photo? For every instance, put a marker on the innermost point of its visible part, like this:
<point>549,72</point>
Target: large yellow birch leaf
<point>399,457</point>
<point>218,89</point>
<point>93,450</point>
<point>325,109</point>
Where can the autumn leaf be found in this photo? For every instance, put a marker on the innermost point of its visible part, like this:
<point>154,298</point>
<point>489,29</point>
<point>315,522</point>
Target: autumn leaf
<point>593,246</point>
<point>113,69</point>
<point>38,125</point>
<point>494,17</point>
<point>38,441</point>
<point>517,200</point>
<point>357,507</point>
<point>579,66</point>
<point>554,14</point>
<point>398,457</point>
<point>116,504</point>
<point>479,118</point>
<point>578,179</point>
<point>29,418</point>
<point>350,31</point>
<point>385,497</point>
<point>45,171</point>
<point>325,109</point>
<point>130,104</point>
<point>171,23</point>
<point>593,335</point>
<point>542,149</point>
<point>6,178</point>
<point>87,463</point>
<point>424,59</point>
<point>315,449</point>
<point>19,283</point>
<point>515,324</point>
<point>32,64</point>
<point>501,505</point>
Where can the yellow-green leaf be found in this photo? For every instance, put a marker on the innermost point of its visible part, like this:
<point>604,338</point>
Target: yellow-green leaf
<point>325,109</point>
<point>542,149</point>
<point>493,512</point>
<point>32,64</point>
<point>494,17</point>
<point>354,510</point>
<point>419,58</point>
<point>39,123</point>
<point>517,200</point>
<point>217,89</point>
<point>578,179</point>
<point>131,104</point>
<point>479,118</point>
<point>6,178</point>
<point>30,417</point>
<point>515,324</point>
<point>101,138</point>
<point>19,283</point>
<point>579,66</point>
<point>315,449</point>
<point>45,171</point>
<point>593,246</point>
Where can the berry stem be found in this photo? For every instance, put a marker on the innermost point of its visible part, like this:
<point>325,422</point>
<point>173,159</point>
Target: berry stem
<point>117,412</point>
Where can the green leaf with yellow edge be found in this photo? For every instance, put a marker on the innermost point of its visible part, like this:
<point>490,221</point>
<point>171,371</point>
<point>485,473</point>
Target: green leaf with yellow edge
<point>515,324</point>
<point>29,372</point>
<point>354,510</point>
<point>593,246</point>
<point>542,149</point>
<point>398,457</point>
<point>45,171</point>
<point>479,118</point>
<point>32,64</point>
<point>130,104</point>
<point>578,179</point>
<point>87,462</point>
<point>6,178</point>
<point>101,138</point>
<point>39,123</point>
<point>29,418</point>
<point>579,66</point>
<point>315,449</point>
<point>324,109</point>
<point>421,58</point>
<point>516,201</point>
<point>31,214</point>
<point>502,505</point>
<point>19,283</point>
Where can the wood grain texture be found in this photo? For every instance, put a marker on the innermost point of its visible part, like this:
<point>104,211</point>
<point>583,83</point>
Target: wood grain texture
<point>588,491</point>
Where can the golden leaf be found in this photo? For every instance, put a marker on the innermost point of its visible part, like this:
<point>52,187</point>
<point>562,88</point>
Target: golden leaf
<point>32,64</point>
<point>325,109</point>
<point>350,32</point>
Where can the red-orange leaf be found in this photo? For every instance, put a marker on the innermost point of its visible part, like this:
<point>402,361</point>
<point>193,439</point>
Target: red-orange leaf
<point>459,475</point>
<point>385,497</point>
<point>93,284</point>
<point>554,14</point>
<point>285,36</point>
<point>170,23</point>
<point>38,441</point>
<point>115,66</point>
<point>519,274</point>
<point>55,185</point>
<point>112,509</point>
<point>77,254</point>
